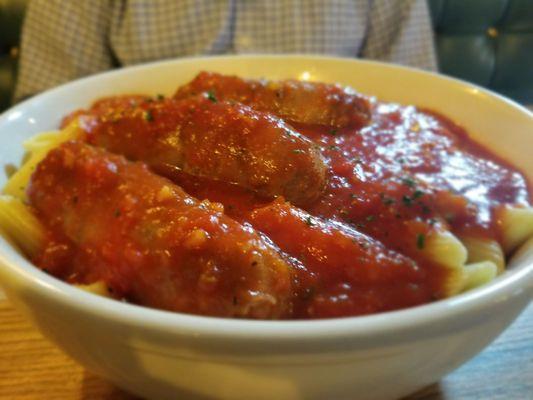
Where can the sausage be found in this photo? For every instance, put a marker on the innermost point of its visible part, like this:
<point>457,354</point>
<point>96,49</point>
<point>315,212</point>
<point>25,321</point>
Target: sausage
<point>219,140</point>
<point>343,271</point>
<point>153,244</point>
<point>293,100</point>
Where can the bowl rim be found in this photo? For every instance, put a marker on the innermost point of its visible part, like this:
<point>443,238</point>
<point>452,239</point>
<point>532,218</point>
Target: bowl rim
<point>510,284</point>
<point>255,57</point>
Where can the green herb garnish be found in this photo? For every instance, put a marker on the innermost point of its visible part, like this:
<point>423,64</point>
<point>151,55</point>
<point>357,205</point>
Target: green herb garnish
<point>420,241</point>
<point>408,182</point>
<point>148,116</point>
<point>386,199</point>
<point>407,201</point>
<point>211,96</point>
<point>417,194</point>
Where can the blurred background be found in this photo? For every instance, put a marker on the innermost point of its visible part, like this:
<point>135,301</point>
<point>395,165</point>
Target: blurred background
<point>487,42</point>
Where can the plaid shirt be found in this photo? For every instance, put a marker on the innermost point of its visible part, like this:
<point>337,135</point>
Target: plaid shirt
<point>67,39</point>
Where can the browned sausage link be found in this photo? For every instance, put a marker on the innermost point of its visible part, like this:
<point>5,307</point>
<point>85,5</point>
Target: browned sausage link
<point>152,243</point>
<point>222,141</point>
<point>297,101</point>
<point>343,267</point>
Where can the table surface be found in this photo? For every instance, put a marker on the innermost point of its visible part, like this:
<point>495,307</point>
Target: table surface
<point>32,368</point>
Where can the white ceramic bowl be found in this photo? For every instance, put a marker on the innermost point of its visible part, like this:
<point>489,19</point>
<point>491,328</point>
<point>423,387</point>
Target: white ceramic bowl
<point>163,355</point>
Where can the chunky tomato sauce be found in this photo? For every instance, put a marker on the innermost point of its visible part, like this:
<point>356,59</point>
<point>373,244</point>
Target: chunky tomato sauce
<point>409,171</point>
<point>356,249</point>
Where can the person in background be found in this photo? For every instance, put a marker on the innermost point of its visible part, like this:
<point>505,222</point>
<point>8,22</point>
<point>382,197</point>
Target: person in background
<point>66,39</point>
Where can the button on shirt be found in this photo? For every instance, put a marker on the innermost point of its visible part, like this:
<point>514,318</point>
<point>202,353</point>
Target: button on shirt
<point>66,39</point>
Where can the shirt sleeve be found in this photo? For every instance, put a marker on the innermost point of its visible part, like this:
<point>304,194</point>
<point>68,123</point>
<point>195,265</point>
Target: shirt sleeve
<point>400,32</point>
<point>62,40</point>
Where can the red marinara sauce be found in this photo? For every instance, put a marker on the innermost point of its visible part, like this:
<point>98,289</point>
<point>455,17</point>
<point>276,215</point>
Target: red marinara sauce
<point>404,176</point>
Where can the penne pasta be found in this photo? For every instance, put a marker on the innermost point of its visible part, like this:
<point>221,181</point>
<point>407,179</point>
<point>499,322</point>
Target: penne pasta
<point>6,236</point>
<point>20,225</point>
<point>98,287</point>
<point>478,274</point>
<point>37,148</point>
<point>446,249</point>
<point>48,140</point>
<point>516,226</point>
<point>17,183</point>
<point>482,249</point>
<point>43,141</point>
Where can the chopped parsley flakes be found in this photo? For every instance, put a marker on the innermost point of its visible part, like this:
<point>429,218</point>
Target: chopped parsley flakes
<point>408,182</point>
<point>420,241</point>
<point>211,96</point>
<point>148,116</point>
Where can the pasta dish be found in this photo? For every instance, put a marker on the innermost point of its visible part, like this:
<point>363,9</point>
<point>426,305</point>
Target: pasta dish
<point>270,200</point>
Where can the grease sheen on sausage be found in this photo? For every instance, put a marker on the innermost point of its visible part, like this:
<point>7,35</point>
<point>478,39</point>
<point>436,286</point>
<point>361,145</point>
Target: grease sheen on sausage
<point>209,138</point>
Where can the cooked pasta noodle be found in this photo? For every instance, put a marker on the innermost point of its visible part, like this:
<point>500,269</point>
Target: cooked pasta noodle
<point>47,140</point>
<point>37,148</point>
<point>482,249</point>
<point>20,225</point>
<point>517,226</point>
<point>478,274</point>
<point>16,185</point>
<point>98,288</point>
<point>447,250</point>
<point>17,220</point>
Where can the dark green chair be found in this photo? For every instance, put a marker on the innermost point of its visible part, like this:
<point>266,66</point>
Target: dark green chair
<point>488,42</point>
<point>11,15</point>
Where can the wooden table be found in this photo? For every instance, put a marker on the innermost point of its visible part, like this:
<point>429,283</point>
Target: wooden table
<point>31,368</point>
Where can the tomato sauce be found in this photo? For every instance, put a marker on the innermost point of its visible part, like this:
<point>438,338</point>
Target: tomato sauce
<point>358,248</point>
<point>409,167</point>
